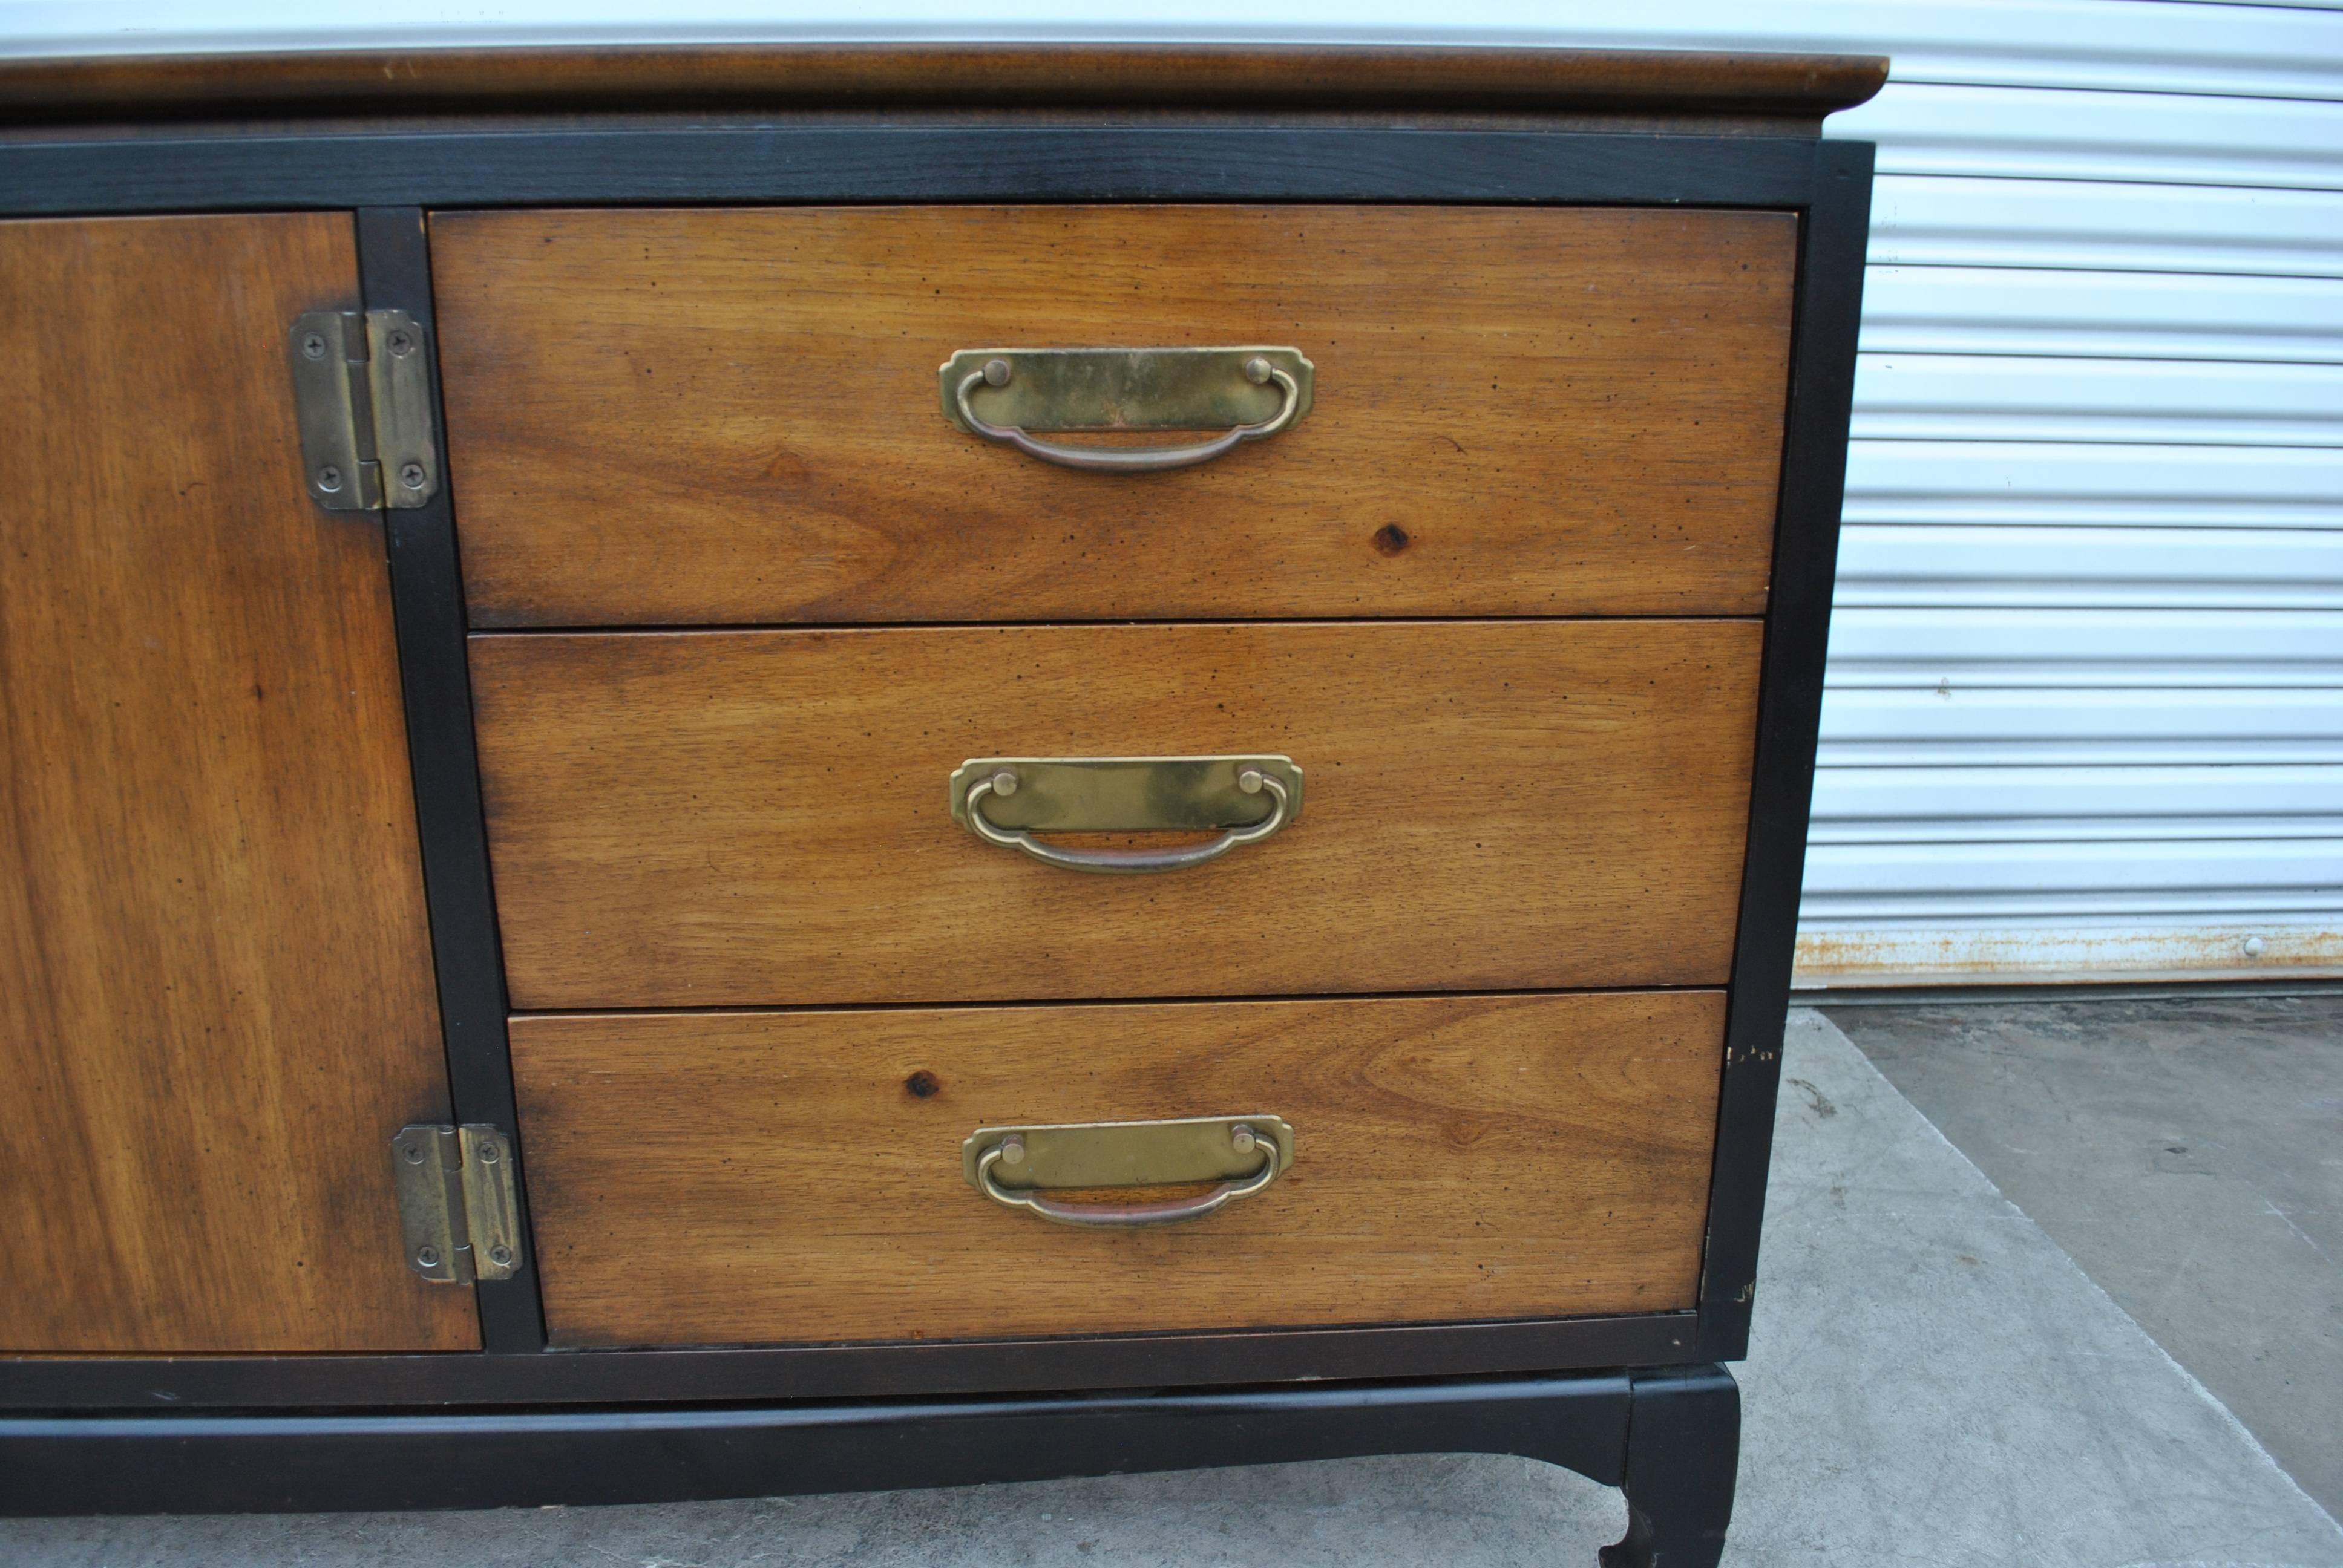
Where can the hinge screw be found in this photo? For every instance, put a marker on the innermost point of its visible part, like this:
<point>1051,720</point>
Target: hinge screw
<point>412,1153</point>
<point>428,1256</point>
<point>410,474</point>
<point>402,342</point>
<point>500,1255</point>
<point>489,1154</point>
<point>329,479</point>
<point>313,345</point>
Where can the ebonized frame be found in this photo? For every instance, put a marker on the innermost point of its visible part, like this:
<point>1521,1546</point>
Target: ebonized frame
<point>388,177</point>
<point>1668,1440</point>
<point>490,1460</point>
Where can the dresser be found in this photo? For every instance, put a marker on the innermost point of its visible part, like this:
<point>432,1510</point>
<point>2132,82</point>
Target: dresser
<point>735,770</point>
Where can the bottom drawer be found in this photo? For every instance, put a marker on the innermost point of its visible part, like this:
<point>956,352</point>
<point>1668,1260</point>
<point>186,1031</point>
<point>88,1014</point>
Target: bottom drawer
<point>743,1178</point>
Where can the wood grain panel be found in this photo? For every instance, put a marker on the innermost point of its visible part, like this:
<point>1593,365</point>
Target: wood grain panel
<point>216,982</point>
<point>695,417</point>
<point>740,1178</point>
<point>720,818</point>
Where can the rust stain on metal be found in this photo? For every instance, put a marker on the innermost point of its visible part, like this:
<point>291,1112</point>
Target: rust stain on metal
<point>2053,955</point>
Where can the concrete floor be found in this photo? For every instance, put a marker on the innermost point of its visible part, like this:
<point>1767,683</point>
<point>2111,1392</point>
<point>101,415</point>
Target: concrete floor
<point>1933,1382</point>
<point>2188,1155</point>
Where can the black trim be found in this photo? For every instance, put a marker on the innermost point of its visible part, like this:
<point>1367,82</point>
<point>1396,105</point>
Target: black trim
<point>1789,714</point>
<point>786,164</point>
<point>1670,1440</point>
<point>844,1371</point>
<point>427,593</point>
<point>1684,1458</point>
<point>165,1464</point>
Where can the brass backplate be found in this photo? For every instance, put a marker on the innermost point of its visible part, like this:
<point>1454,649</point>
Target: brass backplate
<point>491,1202</point>
<point>1129,1153</point>
<point>398,385</point>
<point>1124,388</point>
<point>330,411</point>
<point>427,1165</point>
<point>1125,794</point>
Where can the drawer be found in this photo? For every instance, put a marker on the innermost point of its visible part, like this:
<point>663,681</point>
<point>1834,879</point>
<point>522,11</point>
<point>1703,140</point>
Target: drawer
<point>748,818</point>
<point>742,1178</point>
<point>729,417</point>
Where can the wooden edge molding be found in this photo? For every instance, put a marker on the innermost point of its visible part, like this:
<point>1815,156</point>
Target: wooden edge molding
<point>948,76</point>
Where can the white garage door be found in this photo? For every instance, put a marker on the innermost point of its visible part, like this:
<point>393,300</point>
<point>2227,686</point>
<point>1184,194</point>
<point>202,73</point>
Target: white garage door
<point>2086,704</point>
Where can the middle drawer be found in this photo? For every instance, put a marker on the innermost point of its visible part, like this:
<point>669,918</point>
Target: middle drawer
<point>762,817</point>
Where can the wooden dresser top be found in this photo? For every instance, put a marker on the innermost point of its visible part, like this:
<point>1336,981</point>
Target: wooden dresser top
<point>1782,92</point>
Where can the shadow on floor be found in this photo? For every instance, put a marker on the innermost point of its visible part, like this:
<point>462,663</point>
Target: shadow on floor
<point>2188,1154</point>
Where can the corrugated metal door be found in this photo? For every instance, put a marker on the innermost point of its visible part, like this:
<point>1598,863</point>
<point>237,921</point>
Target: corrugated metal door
<point>2086,707</point>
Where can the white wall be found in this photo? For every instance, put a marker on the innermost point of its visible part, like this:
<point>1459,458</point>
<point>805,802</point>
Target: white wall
<point>2086,707</point>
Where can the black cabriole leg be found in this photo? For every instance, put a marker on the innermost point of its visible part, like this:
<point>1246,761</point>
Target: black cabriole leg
<point>1683,1449</point>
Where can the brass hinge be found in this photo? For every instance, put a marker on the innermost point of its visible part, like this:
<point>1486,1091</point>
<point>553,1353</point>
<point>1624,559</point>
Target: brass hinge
<point>362,396</point>
<point>457,1203</point>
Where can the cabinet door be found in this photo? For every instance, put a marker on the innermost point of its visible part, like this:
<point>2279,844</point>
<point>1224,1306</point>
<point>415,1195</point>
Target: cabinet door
<point>216,982</point>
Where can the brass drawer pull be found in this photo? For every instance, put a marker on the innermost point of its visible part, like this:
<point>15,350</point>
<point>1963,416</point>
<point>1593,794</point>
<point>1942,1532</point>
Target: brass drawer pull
<point>1013,1165</point>
<point>1126,389</point>
<point>1005,800</point>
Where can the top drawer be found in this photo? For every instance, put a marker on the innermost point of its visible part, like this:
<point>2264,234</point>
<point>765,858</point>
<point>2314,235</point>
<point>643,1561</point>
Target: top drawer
<point>729,417</point>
